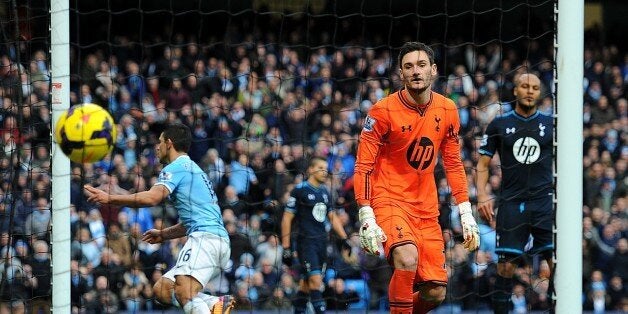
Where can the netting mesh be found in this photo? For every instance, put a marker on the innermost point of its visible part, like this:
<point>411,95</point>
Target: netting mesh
<point>264,86</point>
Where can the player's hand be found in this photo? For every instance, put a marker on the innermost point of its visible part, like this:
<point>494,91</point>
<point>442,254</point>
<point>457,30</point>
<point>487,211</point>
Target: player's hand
<point>95,195</point>
<point>485,208</point>
<point>371,235</point>
<point>344,244</point>
<point>287,257</point>
<point>470,229</point>
<point>152,236</point>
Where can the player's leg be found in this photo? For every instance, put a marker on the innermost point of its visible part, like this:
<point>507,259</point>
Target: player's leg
<point>401,251</point>
<point>203,256</point>
<point>315,276</point>
<point>431,277</point>
<point>404,259</point>
<point>164,290</point>
<point>311,259</point>
<point>512,229</point>
<point>214,257</point>
<point>542,225</point>
<point>186,288</point>
<point>300,300</point>
<point>428,296</point>
<point>315,282</point>
<point>501,297</point>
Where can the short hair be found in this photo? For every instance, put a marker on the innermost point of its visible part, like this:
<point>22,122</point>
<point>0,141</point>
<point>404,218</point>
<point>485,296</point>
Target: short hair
<point>314,159</point>
<point>415,46</point>
<point>180,135</point>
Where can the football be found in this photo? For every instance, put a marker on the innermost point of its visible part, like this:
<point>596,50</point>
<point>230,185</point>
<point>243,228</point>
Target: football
<point>85,133</point>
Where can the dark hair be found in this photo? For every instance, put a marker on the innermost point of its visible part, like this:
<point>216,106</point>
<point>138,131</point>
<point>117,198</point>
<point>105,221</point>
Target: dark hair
<point>180,136</point>
<point>415,46</point>
<point>314,159</point>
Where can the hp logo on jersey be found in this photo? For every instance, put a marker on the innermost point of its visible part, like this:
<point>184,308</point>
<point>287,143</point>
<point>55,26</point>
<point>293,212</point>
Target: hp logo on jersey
<point>420,153</point>
<point>526,150</point>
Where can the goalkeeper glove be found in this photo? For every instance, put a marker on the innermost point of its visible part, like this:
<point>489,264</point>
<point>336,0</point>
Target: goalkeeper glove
<point>371,235</point>
<point>470,229</point>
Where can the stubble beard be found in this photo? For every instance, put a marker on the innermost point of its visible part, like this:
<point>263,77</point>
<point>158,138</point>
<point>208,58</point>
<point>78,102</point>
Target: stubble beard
<point>420,90</point>
<point>527,108</point>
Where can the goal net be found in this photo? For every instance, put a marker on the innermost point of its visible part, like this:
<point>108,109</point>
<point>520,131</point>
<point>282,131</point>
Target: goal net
<point>264,86</point>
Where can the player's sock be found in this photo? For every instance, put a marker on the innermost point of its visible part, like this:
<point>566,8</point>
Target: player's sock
<point>196,306</point>
<point>210,300</point>
<point>300,302</point>
<point>317,301</point>
<point>400,291</point>
<point>421,305</point>
<point>502,295</point>
<point>173,300</point>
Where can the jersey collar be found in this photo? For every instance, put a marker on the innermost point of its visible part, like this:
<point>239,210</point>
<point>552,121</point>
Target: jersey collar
<point>522,118</point>
<point>411,105</point>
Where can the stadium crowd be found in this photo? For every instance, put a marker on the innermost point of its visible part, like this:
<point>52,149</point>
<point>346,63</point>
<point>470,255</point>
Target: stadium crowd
<point>258,110</point>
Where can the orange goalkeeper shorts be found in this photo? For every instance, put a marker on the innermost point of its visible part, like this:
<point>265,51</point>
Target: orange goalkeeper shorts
<point>425,233</point>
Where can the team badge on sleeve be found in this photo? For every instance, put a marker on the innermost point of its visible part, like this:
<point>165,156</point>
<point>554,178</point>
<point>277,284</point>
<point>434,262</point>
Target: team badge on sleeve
<point>165,176</point>
<point>369,123</point>
<point>291,202</point>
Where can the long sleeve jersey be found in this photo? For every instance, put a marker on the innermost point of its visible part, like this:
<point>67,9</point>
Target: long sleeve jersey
<point>397,153</point>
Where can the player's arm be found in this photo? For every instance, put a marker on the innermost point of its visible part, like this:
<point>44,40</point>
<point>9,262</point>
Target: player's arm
<point>152,197</point>
<point>370,142</point>
<point>485,204</point>
<point>336,224</point>
<point>457,179</point>
<point>452,160</point>
<point>490,141</point>
<point>286,228</point>
<point>153,236</point>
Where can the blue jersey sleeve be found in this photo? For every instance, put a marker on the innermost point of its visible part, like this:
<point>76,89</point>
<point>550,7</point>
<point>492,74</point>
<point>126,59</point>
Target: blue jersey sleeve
<point>291,204</point>
<point>170,177</point>
<point>490,139</point>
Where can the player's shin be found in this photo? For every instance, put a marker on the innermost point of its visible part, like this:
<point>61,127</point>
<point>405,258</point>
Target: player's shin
<point>427,301</point>
<point>502,294</point>
<point>317,301</point>
<point>300,302</point>
<point>400,291</point>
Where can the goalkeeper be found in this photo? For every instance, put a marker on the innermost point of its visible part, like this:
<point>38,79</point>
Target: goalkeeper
<point>395,185</point>
<point>523,138</point>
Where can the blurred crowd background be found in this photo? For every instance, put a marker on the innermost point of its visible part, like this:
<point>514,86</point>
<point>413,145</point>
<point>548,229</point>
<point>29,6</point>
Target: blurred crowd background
<point>259,108</point>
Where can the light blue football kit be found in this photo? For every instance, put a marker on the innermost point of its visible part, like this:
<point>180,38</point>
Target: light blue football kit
<point>207,249</point>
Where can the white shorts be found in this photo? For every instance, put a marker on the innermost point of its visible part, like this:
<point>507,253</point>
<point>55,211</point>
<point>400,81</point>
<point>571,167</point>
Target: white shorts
<point>203,256</point>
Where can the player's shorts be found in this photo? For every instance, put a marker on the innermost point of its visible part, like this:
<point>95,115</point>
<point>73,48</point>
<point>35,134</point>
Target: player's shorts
<point>203,256</point>
<point>424,233</point>
<point>312,256</point>
<point>517,220</point>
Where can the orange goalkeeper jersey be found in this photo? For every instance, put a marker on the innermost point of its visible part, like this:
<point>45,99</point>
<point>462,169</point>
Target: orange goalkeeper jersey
<point>398,151</point>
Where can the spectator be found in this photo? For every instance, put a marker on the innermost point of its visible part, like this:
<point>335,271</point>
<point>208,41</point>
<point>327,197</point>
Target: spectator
<point>278,301</point>
<point>338,297</point>
<point>42,290</point>
<point>13,282</point>
<point>85,249</point>
<point>232,201</point>
<point>241,176</point>
<point>118,243</point>
<point>101,299</point>
<point>37,224</point>
<point>134,282</point>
